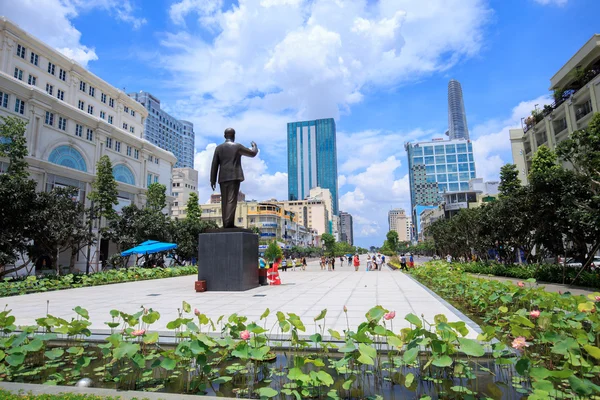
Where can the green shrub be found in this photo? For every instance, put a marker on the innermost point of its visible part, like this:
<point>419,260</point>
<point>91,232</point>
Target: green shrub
<point>33,284</point>
<point>6,395</point>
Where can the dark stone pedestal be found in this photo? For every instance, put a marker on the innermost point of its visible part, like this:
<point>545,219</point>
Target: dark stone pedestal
<point>228,260</point>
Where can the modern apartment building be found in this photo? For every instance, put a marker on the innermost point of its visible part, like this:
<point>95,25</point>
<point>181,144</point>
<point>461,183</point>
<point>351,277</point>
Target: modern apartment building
<point>346,228</point>
<point>445,165</point>
<point>457,117</point>
<point>185,182</point>
<point>401,223</point>
<point>73,118</point>
<point>167,132</point>
<point>312,158</point>
<point>311,213</point>
<point>577,97</point>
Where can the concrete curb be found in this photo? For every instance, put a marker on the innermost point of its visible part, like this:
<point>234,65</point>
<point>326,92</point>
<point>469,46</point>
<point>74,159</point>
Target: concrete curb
<point>117,394</point>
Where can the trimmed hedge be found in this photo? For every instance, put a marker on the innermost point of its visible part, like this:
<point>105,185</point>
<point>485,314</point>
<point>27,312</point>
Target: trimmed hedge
<point>550,273</point>
<point>33,284</point>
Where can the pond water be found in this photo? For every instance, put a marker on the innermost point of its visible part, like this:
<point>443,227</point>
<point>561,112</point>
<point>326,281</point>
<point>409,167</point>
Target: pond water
<point>467,379</point>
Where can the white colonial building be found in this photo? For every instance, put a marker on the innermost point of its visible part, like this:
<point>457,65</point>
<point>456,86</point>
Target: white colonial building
<point>74,118</point>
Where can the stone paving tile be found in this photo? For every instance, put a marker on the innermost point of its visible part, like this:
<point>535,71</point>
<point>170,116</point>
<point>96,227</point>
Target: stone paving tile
<point>305,293</point>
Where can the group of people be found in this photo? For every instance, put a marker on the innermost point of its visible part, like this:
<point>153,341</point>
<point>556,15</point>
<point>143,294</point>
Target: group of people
<point>406,263</point>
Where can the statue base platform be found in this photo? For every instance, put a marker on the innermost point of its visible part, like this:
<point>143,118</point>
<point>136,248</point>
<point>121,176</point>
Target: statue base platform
<point>228,259</point>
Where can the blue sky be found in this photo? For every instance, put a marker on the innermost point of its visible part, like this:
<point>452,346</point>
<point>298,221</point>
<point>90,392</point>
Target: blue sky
<point>380,68</point>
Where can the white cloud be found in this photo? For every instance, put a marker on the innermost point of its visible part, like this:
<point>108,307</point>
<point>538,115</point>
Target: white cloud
<point>491,144</point>
<point>552,2</point>
<point>50,20</point>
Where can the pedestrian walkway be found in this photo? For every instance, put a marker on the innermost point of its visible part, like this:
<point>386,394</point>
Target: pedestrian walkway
<point>305,293</point>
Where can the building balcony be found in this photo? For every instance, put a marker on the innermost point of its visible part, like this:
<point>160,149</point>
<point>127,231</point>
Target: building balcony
<point>582,110</point>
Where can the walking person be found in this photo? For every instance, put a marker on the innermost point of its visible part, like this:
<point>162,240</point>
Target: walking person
<point>294,264</point>
<point>411,261</point>
<point>356,262</point>
<point>284,264</point>
<point>382,260</point>
<point>333,263</point>
<point>303,263</point>
<point>403,263</point>
<point>349,257</point>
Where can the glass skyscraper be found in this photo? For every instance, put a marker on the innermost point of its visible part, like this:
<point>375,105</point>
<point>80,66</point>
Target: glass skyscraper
<point>457,118</point>
<point>312,158</point>
<point>437,167</point>
<point>167,132</point>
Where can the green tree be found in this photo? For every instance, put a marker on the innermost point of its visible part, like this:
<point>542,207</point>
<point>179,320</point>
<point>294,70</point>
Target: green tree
<point>273,251</point>
<point>61,226</point>
<point>185,234</point>
<point>328,243</point>
<point>194,212</point>
<point>18,198</point>
<point>104,190</point>
<point>156,197</point>
<point>509,180</point>
<point>391,241</point>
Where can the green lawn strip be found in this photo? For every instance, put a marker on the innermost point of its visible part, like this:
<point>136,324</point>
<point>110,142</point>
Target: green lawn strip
<point>6,395</point>
<point>550,273</point>
<point>33,284</point>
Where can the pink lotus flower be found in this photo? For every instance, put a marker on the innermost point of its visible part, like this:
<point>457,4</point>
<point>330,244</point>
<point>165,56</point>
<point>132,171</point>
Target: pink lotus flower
<point>245,335</point>
<point>597,298</point>
<point>390,315</point>
<point>519,343</point>
<point>534,314</point>
<point>520,284</point>
<point>196,312</point>
<point>345,309</point>
<point>139,332</point>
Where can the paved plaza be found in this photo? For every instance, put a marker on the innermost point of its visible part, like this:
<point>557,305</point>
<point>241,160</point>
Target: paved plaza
<point>305,293</point>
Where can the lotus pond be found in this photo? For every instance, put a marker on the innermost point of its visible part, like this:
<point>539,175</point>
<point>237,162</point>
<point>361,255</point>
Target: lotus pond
<point>234,357</point>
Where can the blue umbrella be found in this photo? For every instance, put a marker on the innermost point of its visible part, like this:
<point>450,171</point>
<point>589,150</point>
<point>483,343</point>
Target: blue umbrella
<point>149,248</point>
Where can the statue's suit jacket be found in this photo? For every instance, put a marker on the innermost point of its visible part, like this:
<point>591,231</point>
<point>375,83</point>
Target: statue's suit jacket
<point>228,156</point>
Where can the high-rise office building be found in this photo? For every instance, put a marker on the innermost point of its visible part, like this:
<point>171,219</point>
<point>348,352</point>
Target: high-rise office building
<point>346,228</point>
<point>457,118</point>
<point>167,132</point>
<point>435,168</point>
<point>312,158</point>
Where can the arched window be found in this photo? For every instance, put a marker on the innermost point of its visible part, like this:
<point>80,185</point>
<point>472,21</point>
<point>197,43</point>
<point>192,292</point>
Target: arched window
<point>68,157</point>
<point>122,173</point>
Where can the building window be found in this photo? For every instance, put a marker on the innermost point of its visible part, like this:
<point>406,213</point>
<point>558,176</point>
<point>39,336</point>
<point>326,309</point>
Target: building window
<point>78,130</point>
<point>82,86</point>
<point>20,106</point>
<point>90,109</point>
<point>49,89</point>
<point>32,80</point>
<point>80,105</point>
<point>117,146</point>
<point>133,113</point>
<point>149,180</point>
<point>62,123</point>
<point>4,100</point>
<point>109,143</point>
<point>125,125</point>
<point>102,115</point>
<point>18,74</point>
<point>110,119</point>
<point>21,51</point>
<point>126,109</point>
<point>51,68</point>
<point>155,178</point>
<point>136,154</point>
<point>111,102</point>
<point>92,91</point>
<point>60,94</point>
<point>103,98</point>
<point>49,118</point>
<point>34,58</point>
<point>89,134</point>
<point>128,151</point>
<point>62,74</point>
<point>151,158</point>
<point>131,129</point>
<point>156,161</point>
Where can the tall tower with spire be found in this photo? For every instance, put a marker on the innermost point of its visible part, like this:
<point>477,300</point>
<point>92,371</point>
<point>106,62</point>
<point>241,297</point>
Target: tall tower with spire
<point>457,118</point>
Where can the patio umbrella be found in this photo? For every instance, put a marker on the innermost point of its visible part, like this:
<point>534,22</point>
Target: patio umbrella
<point>149,248</point>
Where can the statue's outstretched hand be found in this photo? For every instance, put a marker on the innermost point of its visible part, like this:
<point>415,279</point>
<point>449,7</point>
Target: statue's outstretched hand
<point>253,144</point>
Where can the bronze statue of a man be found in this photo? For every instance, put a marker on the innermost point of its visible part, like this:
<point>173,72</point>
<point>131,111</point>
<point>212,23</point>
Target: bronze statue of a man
<point>227,160</point>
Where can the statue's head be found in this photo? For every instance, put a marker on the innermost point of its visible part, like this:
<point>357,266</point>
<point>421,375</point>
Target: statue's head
<point>230,134</point>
